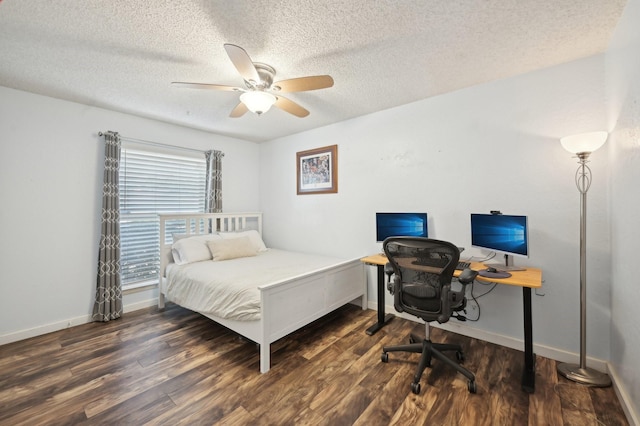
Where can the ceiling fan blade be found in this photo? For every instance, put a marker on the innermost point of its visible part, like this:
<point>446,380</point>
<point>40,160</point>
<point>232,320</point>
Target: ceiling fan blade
<point>242,62</point>
<point>303,84</point>
<point>204,86</point>
<point>290,107</point>
<point>239,110</point>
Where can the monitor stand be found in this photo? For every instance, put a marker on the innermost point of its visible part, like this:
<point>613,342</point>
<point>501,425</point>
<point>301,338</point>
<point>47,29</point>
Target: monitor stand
<point>501,267</point>
<point>508,265</point>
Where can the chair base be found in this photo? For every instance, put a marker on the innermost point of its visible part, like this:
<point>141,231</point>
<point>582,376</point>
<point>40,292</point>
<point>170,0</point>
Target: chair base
<point>430,350</point>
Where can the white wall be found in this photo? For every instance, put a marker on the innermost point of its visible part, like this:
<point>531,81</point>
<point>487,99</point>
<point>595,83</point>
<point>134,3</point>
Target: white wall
<point>623,84</point>
<point>51,161</point>
<point>489,147</point>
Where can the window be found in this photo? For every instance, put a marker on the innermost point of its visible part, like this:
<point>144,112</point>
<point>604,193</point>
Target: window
<point>151,183</point>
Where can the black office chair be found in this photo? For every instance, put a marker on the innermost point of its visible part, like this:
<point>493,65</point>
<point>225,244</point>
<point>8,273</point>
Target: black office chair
<point>422,270</point>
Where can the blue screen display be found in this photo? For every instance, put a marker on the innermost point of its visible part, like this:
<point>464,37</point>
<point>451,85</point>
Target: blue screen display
<point>401,225</point>
<point>503,233</point>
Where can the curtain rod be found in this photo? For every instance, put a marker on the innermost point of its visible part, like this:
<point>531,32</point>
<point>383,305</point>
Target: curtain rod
<point>162,145</point>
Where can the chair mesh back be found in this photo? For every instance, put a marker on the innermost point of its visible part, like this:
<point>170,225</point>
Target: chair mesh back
<point>423,268</point>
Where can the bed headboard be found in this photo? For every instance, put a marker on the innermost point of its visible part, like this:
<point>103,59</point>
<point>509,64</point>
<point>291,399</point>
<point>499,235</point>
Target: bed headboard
<point>201,223</point>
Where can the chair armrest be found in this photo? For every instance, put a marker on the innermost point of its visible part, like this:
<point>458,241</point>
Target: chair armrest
<point>445,303</point>
<point>467,276</point>
<point>388,270</point>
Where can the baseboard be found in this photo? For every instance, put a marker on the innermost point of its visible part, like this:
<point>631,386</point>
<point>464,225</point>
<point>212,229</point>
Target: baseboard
<point>71,322</point>
<point>633,417</point>
<point>141,305</point>
<point>43,329</point>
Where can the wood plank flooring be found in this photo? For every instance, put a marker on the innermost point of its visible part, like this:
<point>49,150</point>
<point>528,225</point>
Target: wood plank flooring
<point>176,367</point>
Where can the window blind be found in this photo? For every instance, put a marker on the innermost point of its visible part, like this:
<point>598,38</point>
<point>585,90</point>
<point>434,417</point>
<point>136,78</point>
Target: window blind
<point>151,183</point>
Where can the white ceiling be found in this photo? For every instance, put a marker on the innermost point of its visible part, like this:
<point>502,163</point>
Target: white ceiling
<point>122,54</point>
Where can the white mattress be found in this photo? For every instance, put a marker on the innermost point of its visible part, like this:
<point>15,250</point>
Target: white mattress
<point>229,288</point>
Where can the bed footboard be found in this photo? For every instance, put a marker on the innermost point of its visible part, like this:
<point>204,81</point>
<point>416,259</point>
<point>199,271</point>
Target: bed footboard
<point>286,306</point>
<point>290,305</point>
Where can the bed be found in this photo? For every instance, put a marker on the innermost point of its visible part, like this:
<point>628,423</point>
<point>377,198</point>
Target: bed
<point>282,300</point>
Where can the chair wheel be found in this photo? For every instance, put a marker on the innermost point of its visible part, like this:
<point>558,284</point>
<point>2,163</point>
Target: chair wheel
<point>412,340</point>
<point>471,385</point>
<point>459,356</point>
<point>415,388</point>
<point>384,357</point>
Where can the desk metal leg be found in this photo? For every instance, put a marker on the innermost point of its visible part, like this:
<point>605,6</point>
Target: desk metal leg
<point>529,373</point>
<point>382,318</point>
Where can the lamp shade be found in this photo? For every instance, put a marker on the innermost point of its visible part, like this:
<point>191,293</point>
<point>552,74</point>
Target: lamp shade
<point>584,142</point>
<point>258,101</point>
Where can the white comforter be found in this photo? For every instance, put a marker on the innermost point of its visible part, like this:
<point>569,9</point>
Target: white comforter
<point>229,288</point>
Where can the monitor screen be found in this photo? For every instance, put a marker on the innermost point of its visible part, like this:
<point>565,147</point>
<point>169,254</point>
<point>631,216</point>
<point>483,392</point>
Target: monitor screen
<point>400,224</point>
<point>501,233</point>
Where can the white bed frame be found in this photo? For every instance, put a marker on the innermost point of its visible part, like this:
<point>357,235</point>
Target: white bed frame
<point>286,306</point>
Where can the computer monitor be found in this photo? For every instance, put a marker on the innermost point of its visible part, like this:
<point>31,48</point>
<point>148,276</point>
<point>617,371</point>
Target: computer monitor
<point>401,224</point>
<point>505,234</point>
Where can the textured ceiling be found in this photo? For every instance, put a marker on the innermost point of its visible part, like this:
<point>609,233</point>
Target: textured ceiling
<point>122,54</point>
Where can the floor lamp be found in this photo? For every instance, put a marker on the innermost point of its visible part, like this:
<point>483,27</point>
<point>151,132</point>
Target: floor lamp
<point>582,146</point>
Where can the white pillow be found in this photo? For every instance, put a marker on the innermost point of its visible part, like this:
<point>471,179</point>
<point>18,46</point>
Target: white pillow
<point>232,248</point>
<point>253,235</point>
<point>192,249</point>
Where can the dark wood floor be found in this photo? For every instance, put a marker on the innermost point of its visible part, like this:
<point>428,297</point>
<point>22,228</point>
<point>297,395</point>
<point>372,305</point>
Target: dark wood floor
<point>176,367</point>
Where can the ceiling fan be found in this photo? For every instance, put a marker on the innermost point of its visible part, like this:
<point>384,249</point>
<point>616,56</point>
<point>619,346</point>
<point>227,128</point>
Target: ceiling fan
<point>261,91</point>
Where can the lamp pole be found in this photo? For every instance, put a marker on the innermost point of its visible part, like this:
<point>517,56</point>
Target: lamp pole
<point>581,373</point>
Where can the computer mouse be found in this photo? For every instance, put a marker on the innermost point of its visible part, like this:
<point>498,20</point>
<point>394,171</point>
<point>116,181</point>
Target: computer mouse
<point>492,270</point>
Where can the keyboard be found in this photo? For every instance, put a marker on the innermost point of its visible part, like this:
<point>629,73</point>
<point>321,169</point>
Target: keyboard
<point>463,265</point>
<point>439,263</point>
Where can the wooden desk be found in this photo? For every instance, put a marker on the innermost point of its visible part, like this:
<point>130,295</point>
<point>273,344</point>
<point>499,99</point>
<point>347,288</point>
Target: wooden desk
<point>528,279</point>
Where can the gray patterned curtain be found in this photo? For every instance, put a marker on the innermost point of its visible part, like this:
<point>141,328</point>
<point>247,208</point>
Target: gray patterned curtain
<point>108,304</point>
<point>213,201</point>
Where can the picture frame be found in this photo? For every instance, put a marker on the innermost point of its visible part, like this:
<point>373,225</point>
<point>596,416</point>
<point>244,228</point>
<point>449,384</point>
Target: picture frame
<point>317,170</point>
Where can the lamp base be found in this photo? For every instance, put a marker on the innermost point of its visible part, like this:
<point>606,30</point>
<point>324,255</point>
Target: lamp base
<point>585,376</point>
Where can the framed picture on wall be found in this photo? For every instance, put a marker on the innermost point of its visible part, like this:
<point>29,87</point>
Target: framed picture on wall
<point>317,170</point>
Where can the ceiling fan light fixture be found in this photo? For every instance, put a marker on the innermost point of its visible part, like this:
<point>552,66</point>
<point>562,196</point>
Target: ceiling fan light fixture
<point>258,94</point>
<point>257,101</point>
